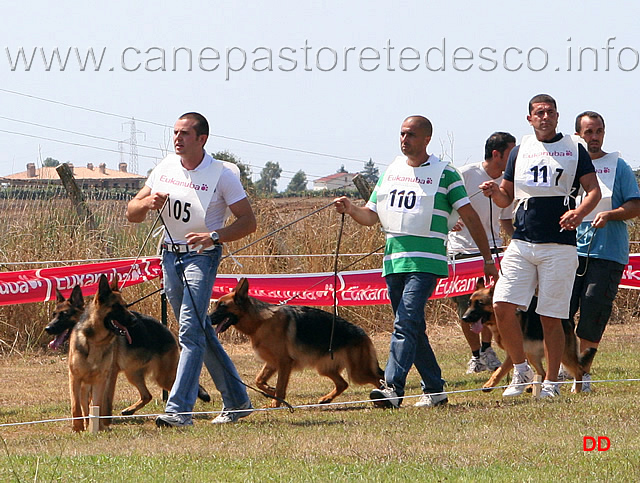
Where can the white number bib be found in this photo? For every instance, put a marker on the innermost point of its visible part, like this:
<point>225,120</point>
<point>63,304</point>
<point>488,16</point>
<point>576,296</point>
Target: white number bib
<point>406,196</point>
<point>190,193</point>
<point>545,169</point>
<point>606,171</point>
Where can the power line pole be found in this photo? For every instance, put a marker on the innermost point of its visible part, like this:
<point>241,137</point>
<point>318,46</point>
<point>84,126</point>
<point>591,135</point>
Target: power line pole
<point>133,146</point>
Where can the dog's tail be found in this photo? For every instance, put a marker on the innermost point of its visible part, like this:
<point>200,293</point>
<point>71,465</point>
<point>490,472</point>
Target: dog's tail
<point>362,363</point>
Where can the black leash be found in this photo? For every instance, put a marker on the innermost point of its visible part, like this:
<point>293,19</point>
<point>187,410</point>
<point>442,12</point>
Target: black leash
<point>335,287</point>
<point>586,264</point>
<point>493,236</point>
<point>143,297</point>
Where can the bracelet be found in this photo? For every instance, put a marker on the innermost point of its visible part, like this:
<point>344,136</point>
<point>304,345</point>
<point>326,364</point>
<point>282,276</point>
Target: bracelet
<point>490,262</point>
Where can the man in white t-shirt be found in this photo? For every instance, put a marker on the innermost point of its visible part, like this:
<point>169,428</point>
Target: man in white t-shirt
<point>193,192</point>
<point>461,245</point>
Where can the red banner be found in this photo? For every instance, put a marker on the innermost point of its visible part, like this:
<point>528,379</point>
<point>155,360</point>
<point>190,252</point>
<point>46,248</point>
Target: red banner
<point>40,285</point>
<point>365,287</point>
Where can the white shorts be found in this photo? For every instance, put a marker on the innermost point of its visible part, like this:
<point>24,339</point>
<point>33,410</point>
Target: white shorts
<point>549,267</point>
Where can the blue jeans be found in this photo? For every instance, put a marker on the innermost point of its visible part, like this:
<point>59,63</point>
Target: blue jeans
<point>409,293</point>
<point>197,337</point>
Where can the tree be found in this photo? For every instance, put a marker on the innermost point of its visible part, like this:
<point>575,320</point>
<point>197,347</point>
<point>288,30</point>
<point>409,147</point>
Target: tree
<point>370,173</point>
<point>342,170</point>
<point>245,170</point>
<point>298,183</point>
<point>269,177</point>
<point>50,163</point>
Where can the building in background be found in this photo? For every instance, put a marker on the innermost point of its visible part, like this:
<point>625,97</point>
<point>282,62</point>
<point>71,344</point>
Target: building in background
<point>89,177</point>
<point>334,181</point>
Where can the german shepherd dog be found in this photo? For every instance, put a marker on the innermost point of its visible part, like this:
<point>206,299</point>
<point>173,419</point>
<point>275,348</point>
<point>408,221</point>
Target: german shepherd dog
<point>290,338</point>
<point>107,339</point>
<point>481,312</point>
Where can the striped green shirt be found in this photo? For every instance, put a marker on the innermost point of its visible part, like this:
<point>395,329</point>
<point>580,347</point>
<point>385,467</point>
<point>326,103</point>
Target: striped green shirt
<point>409,253</point>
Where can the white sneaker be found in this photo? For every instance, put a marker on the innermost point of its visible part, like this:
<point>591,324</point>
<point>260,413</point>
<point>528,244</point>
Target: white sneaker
<point>549,389</point>
<point>431,400</point>
<point>586,383</point>
<point>385,396</point>
<point>475,364</point>
<point>519,382</point>
<point>232,415</point>
<point>490,359</point>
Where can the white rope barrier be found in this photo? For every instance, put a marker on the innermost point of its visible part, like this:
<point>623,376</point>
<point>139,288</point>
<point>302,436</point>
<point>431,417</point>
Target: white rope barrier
<point>301,406</point>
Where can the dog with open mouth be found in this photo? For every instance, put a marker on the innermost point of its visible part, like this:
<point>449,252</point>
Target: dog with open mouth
<point>289,338</point>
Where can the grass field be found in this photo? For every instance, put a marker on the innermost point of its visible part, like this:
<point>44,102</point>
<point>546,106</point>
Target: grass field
<point>478,436</point>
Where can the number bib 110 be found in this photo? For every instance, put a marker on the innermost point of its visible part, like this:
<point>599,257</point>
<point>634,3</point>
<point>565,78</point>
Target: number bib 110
<point>406,195</point>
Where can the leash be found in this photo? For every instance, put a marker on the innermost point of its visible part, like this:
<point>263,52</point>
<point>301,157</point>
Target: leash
<point>335,287</point>
<point>493,235</point>
<point>231,254</point>
<point>155,222</point>
<point>143,297</point>
<point>202,323</point>
<point>586,264</point>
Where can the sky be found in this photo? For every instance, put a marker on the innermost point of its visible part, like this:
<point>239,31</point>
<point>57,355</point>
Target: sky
<point>312,86</point>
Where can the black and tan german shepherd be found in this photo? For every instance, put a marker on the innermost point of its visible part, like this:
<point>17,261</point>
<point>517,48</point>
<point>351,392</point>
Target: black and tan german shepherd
<point>291,338</point>
<point>480,311</point>
<point>106,339</point>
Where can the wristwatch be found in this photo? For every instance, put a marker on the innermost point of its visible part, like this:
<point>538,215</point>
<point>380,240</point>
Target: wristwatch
<point>215,238</point>
<point>490,262</point>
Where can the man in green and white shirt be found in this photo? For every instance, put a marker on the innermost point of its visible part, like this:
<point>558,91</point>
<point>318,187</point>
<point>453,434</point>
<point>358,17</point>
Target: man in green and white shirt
<point>414,200</point>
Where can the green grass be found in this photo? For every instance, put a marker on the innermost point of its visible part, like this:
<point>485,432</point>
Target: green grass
<point>478,437</point>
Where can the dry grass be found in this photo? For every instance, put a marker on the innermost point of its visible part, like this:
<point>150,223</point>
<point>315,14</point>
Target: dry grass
<point>51,231</point>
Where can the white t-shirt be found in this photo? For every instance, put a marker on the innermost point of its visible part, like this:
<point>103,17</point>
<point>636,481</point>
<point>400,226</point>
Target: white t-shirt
<point>460,241</point>
<point>228,190</point>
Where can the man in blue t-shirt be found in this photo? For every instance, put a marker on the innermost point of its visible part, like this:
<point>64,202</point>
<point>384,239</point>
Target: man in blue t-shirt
<point>543,174</point>
<point>603,240</point>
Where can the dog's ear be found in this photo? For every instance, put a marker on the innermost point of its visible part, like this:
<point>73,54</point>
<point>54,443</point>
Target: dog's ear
<point>241,290</point>
<point>59,297</point>
<point>76,296</point>
<point>114,284</point>
<point>480,283</point>
<point>103,288</point>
